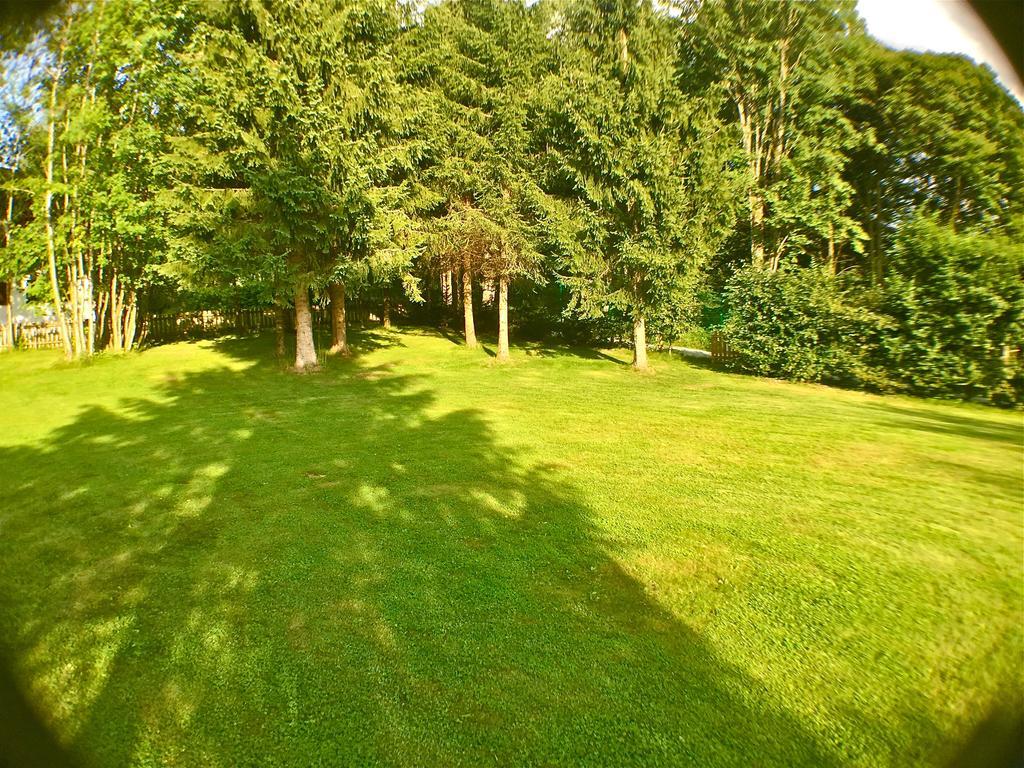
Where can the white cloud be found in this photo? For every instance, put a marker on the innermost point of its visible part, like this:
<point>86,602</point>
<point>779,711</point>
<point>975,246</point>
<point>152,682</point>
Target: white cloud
<point>942,26</point>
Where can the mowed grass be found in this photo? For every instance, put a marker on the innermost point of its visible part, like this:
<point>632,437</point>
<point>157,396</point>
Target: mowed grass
<point>420,558</point>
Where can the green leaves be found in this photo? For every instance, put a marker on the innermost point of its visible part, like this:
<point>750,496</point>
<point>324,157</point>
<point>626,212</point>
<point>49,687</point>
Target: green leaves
<point>634,155</point>
<point>477,64</point>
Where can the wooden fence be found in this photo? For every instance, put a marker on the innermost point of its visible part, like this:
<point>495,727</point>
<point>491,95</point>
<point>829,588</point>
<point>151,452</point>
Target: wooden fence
<point>162,329</point>
<point>191,325</point>
<point>208,323</point>
<point>30,336</point>
<point>719,349</point>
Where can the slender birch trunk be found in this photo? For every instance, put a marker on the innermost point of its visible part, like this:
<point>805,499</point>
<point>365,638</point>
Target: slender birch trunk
<point>753,146</point>
<point>102,299</point>
<point>502,319</point>
<point>115,314</point>
<point>10,322</point>
<point>51,251</point>
<point>130,318</point>
<point>7,340</point>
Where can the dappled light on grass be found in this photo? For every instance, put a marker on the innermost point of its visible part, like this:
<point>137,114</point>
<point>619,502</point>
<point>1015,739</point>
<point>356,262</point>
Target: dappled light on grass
<point>412,558</point>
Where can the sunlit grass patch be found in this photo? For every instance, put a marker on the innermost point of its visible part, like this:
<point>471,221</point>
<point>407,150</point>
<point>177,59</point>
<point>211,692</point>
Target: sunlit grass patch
<point>417,558</point>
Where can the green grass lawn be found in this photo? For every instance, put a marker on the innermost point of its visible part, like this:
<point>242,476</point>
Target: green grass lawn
<point>420,558</point>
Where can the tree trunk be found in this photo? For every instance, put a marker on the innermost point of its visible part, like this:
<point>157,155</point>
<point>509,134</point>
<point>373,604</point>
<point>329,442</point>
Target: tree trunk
<point>339,333</point>
<point>102,299</point>
<point>757,254</point>
<point>753,147</point>
<point>9,339</point>
<point>51,254</point>
<point>128,337</point>
<point>305,350</point>
<point>875,256</point>
<point>115,314</point>
<point>467,305</point>
<point>502,319</point>
<point>639,343</point>
<point>447,288</point>
<point>385,315</point>
<point>279,323</point>
<point>954,208</point>
<point>831,248</point>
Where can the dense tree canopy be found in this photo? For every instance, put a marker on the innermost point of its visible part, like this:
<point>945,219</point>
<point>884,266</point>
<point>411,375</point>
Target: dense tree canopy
<point>609,168</point>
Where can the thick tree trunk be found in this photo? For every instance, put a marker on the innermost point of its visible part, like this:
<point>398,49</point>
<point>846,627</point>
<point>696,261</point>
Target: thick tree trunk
<point>279,323</point>
<point>339,332</point>
<point>502,319</point>
<point>305,350</point>
<point>639,343</point>
<point>467,305</point>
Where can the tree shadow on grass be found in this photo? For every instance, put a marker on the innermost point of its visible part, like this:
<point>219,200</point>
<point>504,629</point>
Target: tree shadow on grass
<point>489,341</point>
<point>910,418</point>
<point>566,350</point>
<point>261,568</point>
<point>362,341</point>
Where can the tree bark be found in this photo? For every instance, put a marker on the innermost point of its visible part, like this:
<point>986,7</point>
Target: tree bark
<point>639,343</point>
<point>128,337</point>
<point>831,248</point>
<point>954,208</point>
<point>385,315</point>
<point>757,253</point>
<point>447,288</point>
<point>502,319</point>
<point>51,255</point>
<point>9,337</point>
<point>279,323</point>
<point>305,350</point>
<point>467,305</point>
<point>339,332</point>
<point>115,314</point>
<point>876,257</point>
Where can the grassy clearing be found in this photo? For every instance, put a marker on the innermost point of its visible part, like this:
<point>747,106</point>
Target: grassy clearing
<point>420,558</point>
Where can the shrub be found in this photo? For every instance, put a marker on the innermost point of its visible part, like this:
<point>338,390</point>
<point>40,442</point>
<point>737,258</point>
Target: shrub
<point>955,303</point>
<point>797,324</point>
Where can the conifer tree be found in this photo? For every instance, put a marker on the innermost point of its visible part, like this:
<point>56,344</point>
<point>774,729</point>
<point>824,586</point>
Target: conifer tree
<point>640,159</point>
<point>480,62</point>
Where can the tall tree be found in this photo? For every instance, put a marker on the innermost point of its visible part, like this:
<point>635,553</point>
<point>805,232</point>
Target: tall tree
<point>947,140</point>
<point>480,62</point>
<point>641,161</point>
<point>775,59</point>
<point>290,101</point>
